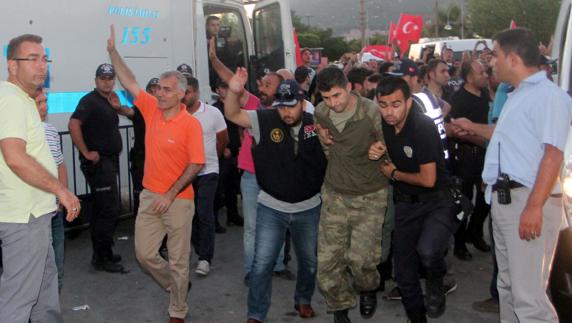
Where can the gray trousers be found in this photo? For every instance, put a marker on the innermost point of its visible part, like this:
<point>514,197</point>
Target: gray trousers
<point>524,266</point>
<point>29,282</point>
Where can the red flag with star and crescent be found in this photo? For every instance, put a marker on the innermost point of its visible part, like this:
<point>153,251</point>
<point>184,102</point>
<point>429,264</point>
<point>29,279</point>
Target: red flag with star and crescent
<point>409,30</point>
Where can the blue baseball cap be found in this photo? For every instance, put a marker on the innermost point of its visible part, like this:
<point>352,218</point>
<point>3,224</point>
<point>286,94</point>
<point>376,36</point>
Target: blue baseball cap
<point>288,94</point>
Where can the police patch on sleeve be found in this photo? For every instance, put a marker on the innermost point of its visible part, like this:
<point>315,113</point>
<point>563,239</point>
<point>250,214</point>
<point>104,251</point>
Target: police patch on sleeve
<point>277,135</point>
<point>310,131</point>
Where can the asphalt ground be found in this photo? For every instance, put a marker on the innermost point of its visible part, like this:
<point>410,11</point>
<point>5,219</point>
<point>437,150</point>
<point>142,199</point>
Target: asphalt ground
<point>221,296</point>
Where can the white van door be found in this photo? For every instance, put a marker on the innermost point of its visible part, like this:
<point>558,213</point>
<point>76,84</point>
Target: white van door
<point>273,37</point>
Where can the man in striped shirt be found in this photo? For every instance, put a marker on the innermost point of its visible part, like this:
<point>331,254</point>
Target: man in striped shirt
<point>53,139</point>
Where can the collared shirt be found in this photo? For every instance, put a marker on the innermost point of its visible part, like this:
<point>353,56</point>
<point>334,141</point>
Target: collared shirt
<point>212,123</point>
<point>19,118</point>
<point>170,146</point>
<point>536,113</point>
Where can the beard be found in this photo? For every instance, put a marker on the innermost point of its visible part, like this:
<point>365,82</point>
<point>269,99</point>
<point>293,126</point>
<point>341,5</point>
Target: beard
<point>266,100</point>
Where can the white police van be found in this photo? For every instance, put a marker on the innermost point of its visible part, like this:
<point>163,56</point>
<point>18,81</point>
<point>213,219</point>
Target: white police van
<point>152,36</point>
<point>560,286</point>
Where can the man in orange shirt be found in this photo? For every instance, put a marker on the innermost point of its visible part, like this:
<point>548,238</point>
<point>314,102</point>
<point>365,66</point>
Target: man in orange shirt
<point>174,154</point>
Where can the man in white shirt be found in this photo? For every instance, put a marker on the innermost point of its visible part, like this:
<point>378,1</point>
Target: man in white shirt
<point>215,138</point>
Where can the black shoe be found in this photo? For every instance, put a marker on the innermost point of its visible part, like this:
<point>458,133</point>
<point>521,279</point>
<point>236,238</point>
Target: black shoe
<point>246,279</point>
<point>219,228</point>
<point>462,253</point>
<point>435,296</point>
<point>341,317</point>
<point>235,220</point>
<point>285,274</point>
<point>480,244</point>
<point>115,258</point>
<point>417,317</point>
<point>108,266</point>
<point>367,304</point>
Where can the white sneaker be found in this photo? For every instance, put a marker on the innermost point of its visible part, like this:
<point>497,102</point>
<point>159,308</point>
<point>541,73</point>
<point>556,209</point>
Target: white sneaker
<point>203,268</point>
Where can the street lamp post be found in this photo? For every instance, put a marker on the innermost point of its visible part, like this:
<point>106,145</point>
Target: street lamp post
<point>448,25</point>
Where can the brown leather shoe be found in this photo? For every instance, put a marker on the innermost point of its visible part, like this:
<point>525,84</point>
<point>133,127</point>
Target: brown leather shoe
<point>176,320</point>
<point>305,311</point>
<point>252,321</point>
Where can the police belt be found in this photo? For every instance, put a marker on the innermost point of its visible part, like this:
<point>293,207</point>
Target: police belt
<point>422,197</point>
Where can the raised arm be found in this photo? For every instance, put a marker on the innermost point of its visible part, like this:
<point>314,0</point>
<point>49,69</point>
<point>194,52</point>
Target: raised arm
<point>232,109</point>
<point>124,74</point>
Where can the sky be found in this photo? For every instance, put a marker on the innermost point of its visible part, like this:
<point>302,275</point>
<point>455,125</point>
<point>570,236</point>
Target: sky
<point>343,15</point>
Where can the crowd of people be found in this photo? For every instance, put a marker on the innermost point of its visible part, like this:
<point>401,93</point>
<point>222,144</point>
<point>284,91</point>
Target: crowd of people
<point>366,171</point>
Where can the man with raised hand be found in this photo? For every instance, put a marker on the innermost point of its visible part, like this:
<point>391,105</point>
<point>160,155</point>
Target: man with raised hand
<point>174,155</point>
<point>285,139</point>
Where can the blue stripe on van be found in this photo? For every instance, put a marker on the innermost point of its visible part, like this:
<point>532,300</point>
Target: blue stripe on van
<point>66,102</point>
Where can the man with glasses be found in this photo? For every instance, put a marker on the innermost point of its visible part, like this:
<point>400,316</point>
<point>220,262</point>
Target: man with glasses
<point>94,129</point>
<point>290,167</point>
<point>28,284</point>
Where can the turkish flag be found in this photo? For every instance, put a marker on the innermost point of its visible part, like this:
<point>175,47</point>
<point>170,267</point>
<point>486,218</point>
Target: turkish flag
<point>297,49</point>
<point>392,31</point>
<point>409,30</point>
<point>381,51</point>
<point>512,24</point>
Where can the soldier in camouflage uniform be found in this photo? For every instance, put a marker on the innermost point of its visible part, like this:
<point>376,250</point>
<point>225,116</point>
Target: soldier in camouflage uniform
<point>354,197</point>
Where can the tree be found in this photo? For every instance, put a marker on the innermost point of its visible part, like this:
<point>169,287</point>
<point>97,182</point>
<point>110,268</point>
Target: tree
<point>491,16</point>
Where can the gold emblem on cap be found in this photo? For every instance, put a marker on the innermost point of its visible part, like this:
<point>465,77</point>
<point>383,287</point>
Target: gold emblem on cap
<point>277,135</point>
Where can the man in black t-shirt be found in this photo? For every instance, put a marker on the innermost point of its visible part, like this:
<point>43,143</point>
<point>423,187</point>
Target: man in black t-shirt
<point>424,207</point>
<point>94,129</point>
<point>471,102</point>
<point>229,177</point>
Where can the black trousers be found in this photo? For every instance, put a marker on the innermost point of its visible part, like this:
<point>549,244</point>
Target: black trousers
<point>137,160</point>
<point>480,212</point>
<point>420,239</point>
<point>102,181</point>
<point>228,187</point>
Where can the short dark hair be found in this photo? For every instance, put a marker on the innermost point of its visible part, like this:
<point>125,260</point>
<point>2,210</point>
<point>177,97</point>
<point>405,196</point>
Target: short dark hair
<point>374,78</point>
<point>390,84</point>
<point>301,74</point>
<point>466,69</point>
<point>384,67</point>
<point>330,77</point>
<point>305,49</point>
<point>209,18</point>
<point>520,41</point>
<point>358,75</point>
<point>432,65</point>
<point>193,82</point>
<point>15,43</point>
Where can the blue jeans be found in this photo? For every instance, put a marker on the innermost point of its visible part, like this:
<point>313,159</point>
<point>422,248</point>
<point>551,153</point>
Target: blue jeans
<point>203,232</point>
<point>58,239</point>
<point>249,189</point>
<point>271,229</point>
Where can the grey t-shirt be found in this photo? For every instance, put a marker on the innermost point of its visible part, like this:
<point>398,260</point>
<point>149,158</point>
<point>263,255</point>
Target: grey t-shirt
<point>265,198</point>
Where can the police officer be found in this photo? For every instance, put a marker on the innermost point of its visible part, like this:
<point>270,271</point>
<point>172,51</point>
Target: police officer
<point>94,129</point>
<point>290,168</point>
<point>424,207</point>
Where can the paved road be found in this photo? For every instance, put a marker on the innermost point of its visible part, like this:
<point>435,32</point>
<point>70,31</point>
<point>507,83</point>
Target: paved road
<point>221,297</point>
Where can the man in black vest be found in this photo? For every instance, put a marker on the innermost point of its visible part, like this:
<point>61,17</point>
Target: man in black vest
<point>290,168</point>
<point>424,207</point>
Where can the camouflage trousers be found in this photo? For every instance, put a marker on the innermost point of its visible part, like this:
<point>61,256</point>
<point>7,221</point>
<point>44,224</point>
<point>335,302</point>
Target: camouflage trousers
<point>349,245</point>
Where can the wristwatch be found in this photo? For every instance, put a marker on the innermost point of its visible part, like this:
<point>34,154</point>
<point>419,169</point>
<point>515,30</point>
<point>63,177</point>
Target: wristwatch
<point>392,175</point>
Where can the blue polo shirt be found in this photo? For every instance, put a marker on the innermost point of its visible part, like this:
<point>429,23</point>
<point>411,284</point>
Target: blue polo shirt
<point>536,113</point>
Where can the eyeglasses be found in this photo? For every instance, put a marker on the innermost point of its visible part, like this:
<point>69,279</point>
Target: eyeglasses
<point>34,59</point>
